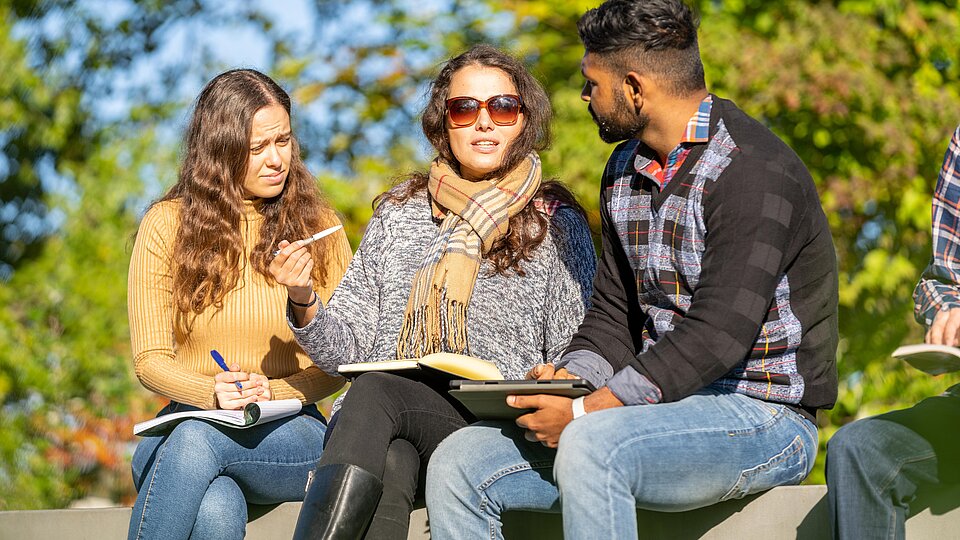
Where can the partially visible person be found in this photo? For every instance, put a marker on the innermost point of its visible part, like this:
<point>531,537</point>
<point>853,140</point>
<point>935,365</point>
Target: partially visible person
<point>199,281</point>
<point>712,330</point>
<point>877,466</point>
<point>477,256</point>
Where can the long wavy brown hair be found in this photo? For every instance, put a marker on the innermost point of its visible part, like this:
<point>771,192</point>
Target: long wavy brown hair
<point>528,227</point>
<point>208,251</point>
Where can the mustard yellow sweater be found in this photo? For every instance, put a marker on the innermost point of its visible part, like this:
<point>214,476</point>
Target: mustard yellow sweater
<point>251,330</point>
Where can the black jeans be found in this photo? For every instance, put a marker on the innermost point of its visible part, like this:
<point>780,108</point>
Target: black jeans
<point>390,426</point>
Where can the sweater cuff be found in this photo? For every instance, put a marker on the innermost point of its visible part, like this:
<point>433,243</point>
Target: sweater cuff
<point>307,329</point>
<point>634,388</point>
<point>587,365</point>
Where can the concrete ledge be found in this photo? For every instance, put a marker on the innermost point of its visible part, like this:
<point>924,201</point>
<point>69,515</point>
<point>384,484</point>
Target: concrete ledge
<point>784,512</point>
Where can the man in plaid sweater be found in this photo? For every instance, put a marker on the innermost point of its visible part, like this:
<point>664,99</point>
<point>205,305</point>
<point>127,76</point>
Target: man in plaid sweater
<point>876,466</point>
<point>713,328</point>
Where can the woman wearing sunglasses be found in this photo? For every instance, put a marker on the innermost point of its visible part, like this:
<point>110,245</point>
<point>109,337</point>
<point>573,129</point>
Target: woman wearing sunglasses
<point>477,256</point>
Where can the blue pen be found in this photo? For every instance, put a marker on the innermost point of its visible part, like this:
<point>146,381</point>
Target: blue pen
<point>223,365</point>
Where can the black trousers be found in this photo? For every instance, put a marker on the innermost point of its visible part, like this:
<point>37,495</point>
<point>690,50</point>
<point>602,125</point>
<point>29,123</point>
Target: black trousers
<point>390,426</point>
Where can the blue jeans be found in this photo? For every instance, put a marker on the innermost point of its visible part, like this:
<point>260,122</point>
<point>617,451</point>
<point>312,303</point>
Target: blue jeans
<point>706,448</point>
<point>196,481</point>
<point>874,468</point>
<point>877,466</point>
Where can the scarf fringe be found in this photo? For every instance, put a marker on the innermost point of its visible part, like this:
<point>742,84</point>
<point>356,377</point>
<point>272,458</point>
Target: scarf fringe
<point>448,316</point>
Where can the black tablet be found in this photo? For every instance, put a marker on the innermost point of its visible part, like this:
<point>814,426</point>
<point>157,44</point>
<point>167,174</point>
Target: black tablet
<point>487,400</point>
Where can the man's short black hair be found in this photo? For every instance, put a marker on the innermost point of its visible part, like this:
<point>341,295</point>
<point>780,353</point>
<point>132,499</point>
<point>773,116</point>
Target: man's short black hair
<point>651,36</point>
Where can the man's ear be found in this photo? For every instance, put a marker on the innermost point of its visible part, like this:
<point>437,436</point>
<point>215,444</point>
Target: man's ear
<point>633,86</point>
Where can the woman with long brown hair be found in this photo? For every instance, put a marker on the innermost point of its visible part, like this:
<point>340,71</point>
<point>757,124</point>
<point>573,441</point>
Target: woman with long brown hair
<point>477,256</point>
<point>199,281</point>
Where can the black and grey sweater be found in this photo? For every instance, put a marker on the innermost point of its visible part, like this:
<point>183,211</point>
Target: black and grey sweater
<point>727,277</point>
<point>514,321</point>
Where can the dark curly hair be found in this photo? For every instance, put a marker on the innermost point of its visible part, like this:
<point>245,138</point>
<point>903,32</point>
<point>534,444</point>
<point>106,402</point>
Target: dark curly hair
<point>528,227</point>
<point>647,36</point>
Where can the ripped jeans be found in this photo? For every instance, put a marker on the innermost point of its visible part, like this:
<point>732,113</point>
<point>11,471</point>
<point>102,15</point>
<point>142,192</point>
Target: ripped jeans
<point>709,447</point>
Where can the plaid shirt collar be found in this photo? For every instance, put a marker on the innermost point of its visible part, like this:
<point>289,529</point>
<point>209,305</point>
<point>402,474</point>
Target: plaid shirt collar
<point>696,132</point>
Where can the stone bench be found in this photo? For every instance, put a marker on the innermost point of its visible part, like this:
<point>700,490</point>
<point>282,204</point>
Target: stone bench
<point>784,512</point>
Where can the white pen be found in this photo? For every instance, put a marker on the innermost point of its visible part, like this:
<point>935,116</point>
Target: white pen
<point>314,238</point>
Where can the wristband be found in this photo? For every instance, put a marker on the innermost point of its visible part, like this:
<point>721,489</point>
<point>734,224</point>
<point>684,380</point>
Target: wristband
<point>578,409</point>
<point>308,304</point>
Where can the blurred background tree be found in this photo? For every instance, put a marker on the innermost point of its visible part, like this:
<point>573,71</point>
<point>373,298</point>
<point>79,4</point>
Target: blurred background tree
<point>866,92</point>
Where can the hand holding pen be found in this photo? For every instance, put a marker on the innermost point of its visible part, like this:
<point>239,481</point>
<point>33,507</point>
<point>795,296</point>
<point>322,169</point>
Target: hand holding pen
<point>292,267</point>
<point>223,365</point>
<point>234,389</point>
<point>312,239</point>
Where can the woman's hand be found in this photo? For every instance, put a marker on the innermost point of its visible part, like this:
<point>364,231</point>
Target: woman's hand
<point>292,268</point>
<point>229,397</point>
<point>264,383</point>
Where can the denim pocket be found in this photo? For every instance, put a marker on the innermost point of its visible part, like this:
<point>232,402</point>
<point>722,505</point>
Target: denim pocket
<point>788,467</point>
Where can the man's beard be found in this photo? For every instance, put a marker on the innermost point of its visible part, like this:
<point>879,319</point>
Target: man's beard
<point>622,125</point>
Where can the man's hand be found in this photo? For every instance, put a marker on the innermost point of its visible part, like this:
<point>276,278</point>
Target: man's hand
<point>601,399</point>
<point>553,413</point>
<point>945,329</point>
<point>545,424</point>
<point>545,372</point>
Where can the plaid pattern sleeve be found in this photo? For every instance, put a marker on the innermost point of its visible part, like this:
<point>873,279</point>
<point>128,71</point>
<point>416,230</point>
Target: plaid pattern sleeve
<point>939,286</point>
<point>613,325</point>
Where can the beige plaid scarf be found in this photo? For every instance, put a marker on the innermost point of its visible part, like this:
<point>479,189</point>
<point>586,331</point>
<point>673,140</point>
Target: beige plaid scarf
<point>475,215</point>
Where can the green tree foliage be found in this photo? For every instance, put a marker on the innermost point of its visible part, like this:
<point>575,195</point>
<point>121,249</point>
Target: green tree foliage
<point>62,57</point>
<point>67,391</point>
<point>40,129</point>
<point>866,92</point>
<point>65,378</point>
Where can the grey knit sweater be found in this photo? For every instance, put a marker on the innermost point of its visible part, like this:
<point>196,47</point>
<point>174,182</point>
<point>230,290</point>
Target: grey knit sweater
<point>513,321</point>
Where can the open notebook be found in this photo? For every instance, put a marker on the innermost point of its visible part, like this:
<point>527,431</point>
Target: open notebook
<point>933,359</point>
<point>253,414</point>
<point>434,366</point>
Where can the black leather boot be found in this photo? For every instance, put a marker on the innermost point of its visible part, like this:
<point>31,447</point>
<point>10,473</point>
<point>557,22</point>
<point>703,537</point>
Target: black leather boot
<point>339,503</point>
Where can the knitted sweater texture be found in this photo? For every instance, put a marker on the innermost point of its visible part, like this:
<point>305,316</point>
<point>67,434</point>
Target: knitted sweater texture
<point>250,330</point>
<point>514,321</point>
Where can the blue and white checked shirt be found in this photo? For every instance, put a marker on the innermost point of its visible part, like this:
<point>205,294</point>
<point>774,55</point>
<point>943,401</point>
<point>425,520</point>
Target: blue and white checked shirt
<point>939,286</point>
